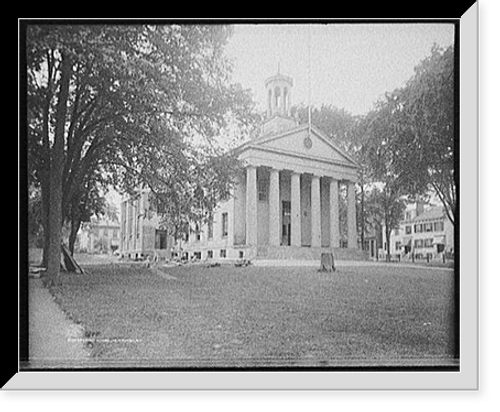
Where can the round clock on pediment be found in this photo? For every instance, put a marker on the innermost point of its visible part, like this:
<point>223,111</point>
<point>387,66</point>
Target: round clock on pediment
<point>308,142</point>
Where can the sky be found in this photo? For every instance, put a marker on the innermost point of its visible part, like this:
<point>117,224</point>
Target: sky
<point>351,66</point>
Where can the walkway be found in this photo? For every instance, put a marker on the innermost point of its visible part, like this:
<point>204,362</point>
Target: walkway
<point>54,340</point>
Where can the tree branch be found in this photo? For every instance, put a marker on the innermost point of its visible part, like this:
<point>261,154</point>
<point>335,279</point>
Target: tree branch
<point>446,205</point>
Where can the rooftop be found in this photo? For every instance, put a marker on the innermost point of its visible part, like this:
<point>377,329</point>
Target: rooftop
<point>278,77</point>
<point>430,214</point>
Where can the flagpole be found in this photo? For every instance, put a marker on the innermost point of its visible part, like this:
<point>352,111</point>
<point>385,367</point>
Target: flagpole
<point>309,79</point>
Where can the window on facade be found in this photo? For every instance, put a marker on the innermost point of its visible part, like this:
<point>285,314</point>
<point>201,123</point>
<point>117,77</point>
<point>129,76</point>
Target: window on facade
<point>225,222</point>
<point>198,233</point>
<point>428,242</point>
<point>287,208</point>
<point>262,191</point>
<point>160,239</point>
<point>418,243</point>
<point>210,231</point>
<point>438,226</point>
<point>408,230</point>
<point>398,245</point>
<point>396,231</point>
<point>210,254</point>
<point>223,253</point>
<point>157,204</point>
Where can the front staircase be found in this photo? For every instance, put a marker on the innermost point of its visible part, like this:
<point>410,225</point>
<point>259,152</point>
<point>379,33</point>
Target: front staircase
<point>306,253</point>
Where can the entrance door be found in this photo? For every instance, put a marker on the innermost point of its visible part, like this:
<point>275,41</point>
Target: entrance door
<point>286,224</point>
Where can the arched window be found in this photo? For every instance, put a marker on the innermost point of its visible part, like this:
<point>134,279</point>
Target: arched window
<point>277,95</point>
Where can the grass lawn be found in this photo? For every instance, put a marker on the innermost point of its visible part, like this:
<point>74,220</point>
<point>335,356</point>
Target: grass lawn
<point>255,316</point>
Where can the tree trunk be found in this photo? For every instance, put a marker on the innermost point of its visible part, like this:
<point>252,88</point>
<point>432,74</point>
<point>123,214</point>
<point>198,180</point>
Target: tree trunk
<point>56,173</point>
<point>362,214</point>
<point>75,227</point>
<point>388,242</point>
<point>45,163</point>
<point>45,186</point>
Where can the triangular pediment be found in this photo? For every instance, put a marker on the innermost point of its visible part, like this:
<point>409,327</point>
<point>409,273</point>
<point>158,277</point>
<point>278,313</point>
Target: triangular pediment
<point>306,143</point>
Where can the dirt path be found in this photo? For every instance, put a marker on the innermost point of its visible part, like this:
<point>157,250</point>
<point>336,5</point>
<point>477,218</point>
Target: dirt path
<point>54,340</point>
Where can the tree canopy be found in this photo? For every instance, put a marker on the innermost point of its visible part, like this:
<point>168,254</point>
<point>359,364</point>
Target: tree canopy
<point>418,121</point>
<point>125,101</point>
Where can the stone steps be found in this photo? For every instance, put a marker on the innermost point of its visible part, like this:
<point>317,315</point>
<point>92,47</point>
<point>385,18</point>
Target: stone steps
<point>306,253</point>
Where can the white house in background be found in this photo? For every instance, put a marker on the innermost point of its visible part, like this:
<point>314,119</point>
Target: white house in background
<point>425,232</point>
<point>285,202</point>
<point>98,236</point>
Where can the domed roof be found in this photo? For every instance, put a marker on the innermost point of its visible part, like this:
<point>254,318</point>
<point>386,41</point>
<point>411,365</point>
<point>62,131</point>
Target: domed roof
<point>277,78</point>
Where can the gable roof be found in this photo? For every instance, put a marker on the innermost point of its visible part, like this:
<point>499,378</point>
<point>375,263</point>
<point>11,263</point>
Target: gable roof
<point>291,142</point>
<point>430,214</point>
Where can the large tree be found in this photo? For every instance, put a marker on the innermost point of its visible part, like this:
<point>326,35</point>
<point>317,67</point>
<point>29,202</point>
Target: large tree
<point>408,139</point>
<point>424,113</point>
<point>127,101</point>
<point>386,199</point>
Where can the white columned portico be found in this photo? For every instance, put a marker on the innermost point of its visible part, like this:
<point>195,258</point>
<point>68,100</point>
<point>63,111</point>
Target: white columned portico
<point>334,213</point>
<point>251,206</point>
<point>352,237</point>
<point>274,207</point>
<point>296,235</point>
<point>315,212</point>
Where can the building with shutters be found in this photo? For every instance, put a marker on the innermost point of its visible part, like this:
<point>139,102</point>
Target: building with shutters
<point>426,232</point>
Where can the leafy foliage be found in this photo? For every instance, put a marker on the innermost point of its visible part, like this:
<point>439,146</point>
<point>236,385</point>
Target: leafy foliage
<point>138,96</point>
<point>426,145</point>
<point>337,124</point>
<point>414,131</point>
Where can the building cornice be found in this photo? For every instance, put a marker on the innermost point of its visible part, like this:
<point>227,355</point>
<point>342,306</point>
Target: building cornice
<point>302,156</point>
<point>258,144</point>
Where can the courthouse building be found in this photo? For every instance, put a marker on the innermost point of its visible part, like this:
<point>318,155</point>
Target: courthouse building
<point>285,203</point>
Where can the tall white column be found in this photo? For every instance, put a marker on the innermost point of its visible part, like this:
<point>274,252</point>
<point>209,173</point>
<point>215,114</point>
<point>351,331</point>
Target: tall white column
<point>274,207</point>
<point>315,212</point>
<point>334,214</point>
<point>296,235</point>
<point>251,206</point>
<point>352,235</point>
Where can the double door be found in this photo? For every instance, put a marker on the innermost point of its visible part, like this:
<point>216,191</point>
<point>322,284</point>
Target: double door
<point>286,222</point>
